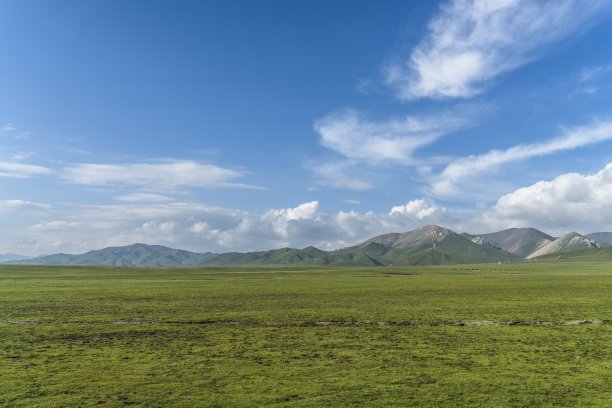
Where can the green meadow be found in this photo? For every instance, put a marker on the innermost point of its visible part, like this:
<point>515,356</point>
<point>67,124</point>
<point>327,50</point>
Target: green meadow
<point>497,335</point>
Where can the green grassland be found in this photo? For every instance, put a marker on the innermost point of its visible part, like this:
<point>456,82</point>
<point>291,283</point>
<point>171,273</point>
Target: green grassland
<point>492,335</point>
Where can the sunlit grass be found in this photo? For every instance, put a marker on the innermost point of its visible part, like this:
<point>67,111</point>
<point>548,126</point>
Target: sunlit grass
<point>470,335</point>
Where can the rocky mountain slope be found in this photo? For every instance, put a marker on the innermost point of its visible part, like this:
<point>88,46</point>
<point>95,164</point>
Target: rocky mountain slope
<point>519,241</point>
<point>569,242</point>
<point>602,238</point>
<point>603,254</point>
<point>430,234</point>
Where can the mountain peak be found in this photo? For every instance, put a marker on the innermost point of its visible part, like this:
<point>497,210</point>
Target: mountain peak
<point>428,234</point>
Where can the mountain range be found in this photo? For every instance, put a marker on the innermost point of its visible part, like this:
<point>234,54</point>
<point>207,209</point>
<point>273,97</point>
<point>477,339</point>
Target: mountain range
<point>11,257</point>
<point>132,255</point>
<point>428,245</point>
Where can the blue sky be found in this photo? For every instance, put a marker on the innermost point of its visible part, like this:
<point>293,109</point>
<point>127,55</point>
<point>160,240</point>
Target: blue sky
<point>243,125</point>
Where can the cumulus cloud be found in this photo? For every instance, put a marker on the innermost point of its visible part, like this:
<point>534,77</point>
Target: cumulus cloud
<point>167,175</point>
<point>419,209</point>
<point>20,170</point>
<point>201,227</point>
<point>570,202</point>
<point>354,136</point>
<point>470,42</point>
<point>451,181</point>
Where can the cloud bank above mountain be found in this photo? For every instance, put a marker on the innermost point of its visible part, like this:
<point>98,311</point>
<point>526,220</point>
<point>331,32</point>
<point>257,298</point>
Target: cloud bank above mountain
<point>570,202</point>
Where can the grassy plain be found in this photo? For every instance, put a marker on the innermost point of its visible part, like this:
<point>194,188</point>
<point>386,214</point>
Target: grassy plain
<point>456,336</point>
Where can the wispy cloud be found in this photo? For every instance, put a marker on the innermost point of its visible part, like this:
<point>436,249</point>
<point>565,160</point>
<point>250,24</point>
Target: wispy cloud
<point>591,74</point>
<point>334,174</point>
<point>354,136</point>
<point>20,170</point>
<point>143,198</point>
<point>22,155</point>
<point>157,176</point>
<point>470,42</point>
<point>590,79</point>
<point>451,179</point>
<point>15,133</point>
<point>22,205</point>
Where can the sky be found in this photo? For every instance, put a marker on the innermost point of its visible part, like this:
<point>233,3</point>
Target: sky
<point>249,125</point>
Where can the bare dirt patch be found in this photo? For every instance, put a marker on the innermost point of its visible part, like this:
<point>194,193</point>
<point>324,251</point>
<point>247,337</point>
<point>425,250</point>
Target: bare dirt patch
<point>576,322</point>
<point>133,322</point>
<point>208,322</point>
<point>333,323</point>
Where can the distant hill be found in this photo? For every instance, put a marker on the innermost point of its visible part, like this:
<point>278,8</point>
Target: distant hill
<point>140,255</point>
<point>582,255</point>
<point>309,256</point>
<point>430,245</point>
<point>602,238</point>
<point>569,242</point>
<point>11,257</point>
<point>519,241</point>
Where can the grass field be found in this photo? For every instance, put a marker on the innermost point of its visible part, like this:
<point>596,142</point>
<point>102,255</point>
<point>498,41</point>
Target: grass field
<point>457,336</point>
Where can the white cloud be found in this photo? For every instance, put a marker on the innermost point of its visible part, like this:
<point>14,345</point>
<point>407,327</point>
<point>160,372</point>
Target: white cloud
<point>22,205</point>
<point>592,74</point>
<point>355,137</point>
<point>20,170</point>
<point>465,170</point>
<point>590,79</point>
<point>570,202</point>
<point>419,209</point>
<point>201,227</point>
<point>22,155</point>
<point>470,42</point>
<point>158,176</point>
<point>142,197</point>
<point>15,133</point>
